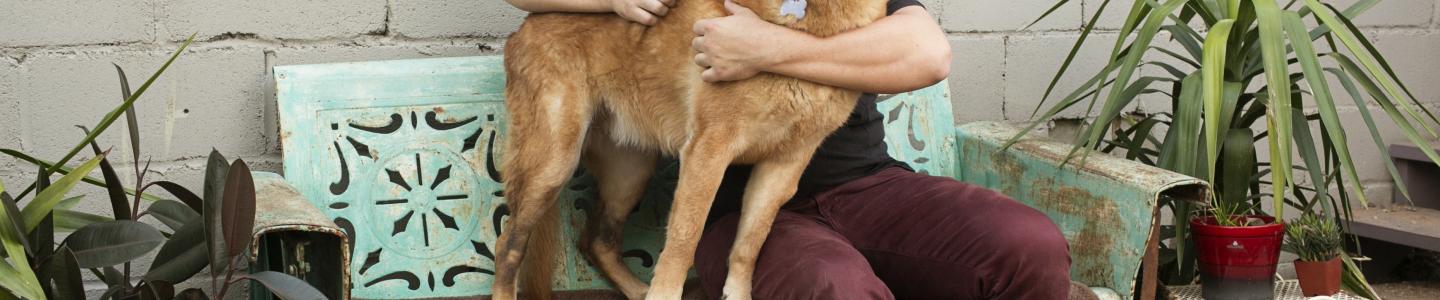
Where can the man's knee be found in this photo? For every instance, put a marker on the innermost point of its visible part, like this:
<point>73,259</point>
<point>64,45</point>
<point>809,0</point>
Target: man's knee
<point>1036,257</point>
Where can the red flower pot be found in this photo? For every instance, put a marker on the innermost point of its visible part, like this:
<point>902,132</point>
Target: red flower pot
<point>1237,262</point>
<point>1318,278</point>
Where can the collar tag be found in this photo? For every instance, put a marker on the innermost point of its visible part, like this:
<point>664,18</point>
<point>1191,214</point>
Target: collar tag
<point>793,7</point>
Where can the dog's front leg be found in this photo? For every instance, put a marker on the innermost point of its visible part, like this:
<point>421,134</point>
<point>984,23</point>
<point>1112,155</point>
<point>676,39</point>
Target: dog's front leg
<point>702,166</point>
<point>772,183</point>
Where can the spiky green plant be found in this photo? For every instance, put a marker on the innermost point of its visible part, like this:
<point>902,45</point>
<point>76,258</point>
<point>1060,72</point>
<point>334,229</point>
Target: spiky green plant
<point>1242,78</point>
<point>1313,238</point>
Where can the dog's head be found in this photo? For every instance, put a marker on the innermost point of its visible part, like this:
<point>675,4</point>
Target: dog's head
<point>818,17</point>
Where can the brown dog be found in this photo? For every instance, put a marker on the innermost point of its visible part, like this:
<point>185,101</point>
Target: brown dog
<point>616,95</point>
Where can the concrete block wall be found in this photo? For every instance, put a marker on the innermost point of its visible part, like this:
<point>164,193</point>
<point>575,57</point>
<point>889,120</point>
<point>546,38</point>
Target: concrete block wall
<point>55,69</point>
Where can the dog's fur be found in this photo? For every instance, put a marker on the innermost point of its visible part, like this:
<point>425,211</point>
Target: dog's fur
<point>616,95</point>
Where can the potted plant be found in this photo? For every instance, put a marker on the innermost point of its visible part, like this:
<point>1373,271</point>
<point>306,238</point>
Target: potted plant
<point>211,231</point>
<point>1242,78</point>
<point>1237,255</point>
<point>1317,241</point>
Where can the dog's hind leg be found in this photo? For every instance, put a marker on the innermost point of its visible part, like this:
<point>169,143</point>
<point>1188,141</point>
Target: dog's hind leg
<point>548,121</point>
<point>772,183</point>
<point>702,165</point>
<point>622,174</point>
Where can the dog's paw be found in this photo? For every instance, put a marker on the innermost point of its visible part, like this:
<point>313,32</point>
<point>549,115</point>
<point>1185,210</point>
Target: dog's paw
<point>732,292</point>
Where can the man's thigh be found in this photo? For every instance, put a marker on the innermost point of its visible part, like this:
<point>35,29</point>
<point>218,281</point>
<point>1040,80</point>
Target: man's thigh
<point>934,237</point>
<point>801,259</point>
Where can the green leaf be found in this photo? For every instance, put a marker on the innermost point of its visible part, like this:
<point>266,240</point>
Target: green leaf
<point>68,284</point>
<point>118,204</point>
<point>1074,50</point>
<point>1385,103</point>
<point>1272,49</point>
<point>19,282</point>
<point>112,243</point>
<point>1353,280</point>
<point>215,172</point>
<point>1348,38</point>
<point>1240,165</point>
<point>69,220</point>
<point>173,214</point>
<point>1375,136</point>
<point>129,114</point>
<point>239,209</point>
<point>195,203</point>
<point>69,203</point>
<point>66,170</point>
<point>182,256</point>
<point>192,294</point>
<point>1126,71</point>
<point>156,290</point>
<point>1305,146</point>
<point>15,274</point>
<point>1320,88</point>
<point>14,223</point>
<point>46,200</point>
<point>110,117</point>
<point>1213,76</point>
<point>285,286</point>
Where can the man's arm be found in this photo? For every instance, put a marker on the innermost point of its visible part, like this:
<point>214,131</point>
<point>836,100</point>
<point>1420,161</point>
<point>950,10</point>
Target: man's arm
<point>641,11</point>
<point>901,52</point>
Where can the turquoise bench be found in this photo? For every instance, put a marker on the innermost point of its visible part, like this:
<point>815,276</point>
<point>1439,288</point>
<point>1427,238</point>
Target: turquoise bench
<point>398,160</point>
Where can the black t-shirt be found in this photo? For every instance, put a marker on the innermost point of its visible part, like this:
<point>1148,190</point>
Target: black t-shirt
<point>855,150</point>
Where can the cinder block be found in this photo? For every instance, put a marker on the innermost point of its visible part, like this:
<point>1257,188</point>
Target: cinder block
<point>9,116</point>
<point>977,78</point>
<point>440,18</point>
<point>70,22</point>
<point>1402,13</point>
<point>988,16</point>
<point>314,19</point>
<point>1113,17</point>
<point>208,98</point>
<point>1412,54</point>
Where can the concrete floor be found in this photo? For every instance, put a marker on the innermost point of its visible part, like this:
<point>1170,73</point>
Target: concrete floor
<point>1410,290</point>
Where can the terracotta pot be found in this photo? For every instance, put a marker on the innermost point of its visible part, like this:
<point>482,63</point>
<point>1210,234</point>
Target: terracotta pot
<point>1237,262</point>
<point>1319,278</point>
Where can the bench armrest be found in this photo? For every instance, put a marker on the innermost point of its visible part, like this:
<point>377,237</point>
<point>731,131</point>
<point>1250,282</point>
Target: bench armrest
<point>287,227</point>
<point>1106,207</point>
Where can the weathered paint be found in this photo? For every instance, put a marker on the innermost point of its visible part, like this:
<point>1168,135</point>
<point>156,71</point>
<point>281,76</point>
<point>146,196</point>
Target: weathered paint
<point>919,130</point>
<point>1105,206</point>
<point>360,137</point>
<point>279,208</point>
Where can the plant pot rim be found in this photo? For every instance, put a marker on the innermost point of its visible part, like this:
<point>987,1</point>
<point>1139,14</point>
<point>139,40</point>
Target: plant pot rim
<point>1335,259</point>
<point>1206,225</point>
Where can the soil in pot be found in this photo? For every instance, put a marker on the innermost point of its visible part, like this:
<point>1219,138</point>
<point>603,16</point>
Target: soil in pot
<point>1237,262</point>
<point>1318,278</point>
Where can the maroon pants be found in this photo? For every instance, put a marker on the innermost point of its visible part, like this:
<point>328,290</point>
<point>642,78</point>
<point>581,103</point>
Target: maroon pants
<point>899,234</point>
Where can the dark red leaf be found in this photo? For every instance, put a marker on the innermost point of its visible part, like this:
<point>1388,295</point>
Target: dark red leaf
<point>238,212</point>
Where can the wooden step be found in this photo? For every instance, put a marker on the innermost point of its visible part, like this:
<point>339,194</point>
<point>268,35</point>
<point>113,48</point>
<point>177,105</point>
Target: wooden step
<point>1410,226</point>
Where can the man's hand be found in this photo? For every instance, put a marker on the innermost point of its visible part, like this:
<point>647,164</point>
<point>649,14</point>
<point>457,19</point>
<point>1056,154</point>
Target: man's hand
<point>741,45</point>
<point>641,11</point>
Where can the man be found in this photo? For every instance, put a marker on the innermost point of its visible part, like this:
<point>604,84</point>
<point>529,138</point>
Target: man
<point>862,225</point>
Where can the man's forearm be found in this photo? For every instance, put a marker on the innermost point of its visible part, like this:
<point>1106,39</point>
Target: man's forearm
<point>538,6</point>
<point>898,53</point>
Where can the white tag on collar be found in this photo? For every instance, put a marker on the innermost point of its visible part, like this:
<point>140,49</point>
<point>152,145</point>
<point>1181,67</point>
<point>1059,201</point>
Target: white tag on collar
<point>793,7</point>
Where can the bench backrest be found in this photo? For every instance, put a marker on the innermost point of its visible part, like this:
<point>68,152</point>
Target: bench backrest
<point>402,156</point>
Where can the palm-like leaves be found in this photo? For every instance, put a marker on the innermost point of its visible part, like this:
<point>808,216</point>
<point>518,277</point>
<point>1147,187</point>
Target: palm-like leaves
<point>1239,73</point>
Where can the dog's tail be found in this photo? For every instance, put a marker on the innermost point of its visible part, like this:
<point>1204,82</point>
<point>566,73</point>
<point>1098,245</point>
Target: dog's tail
<point>537,271</point>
